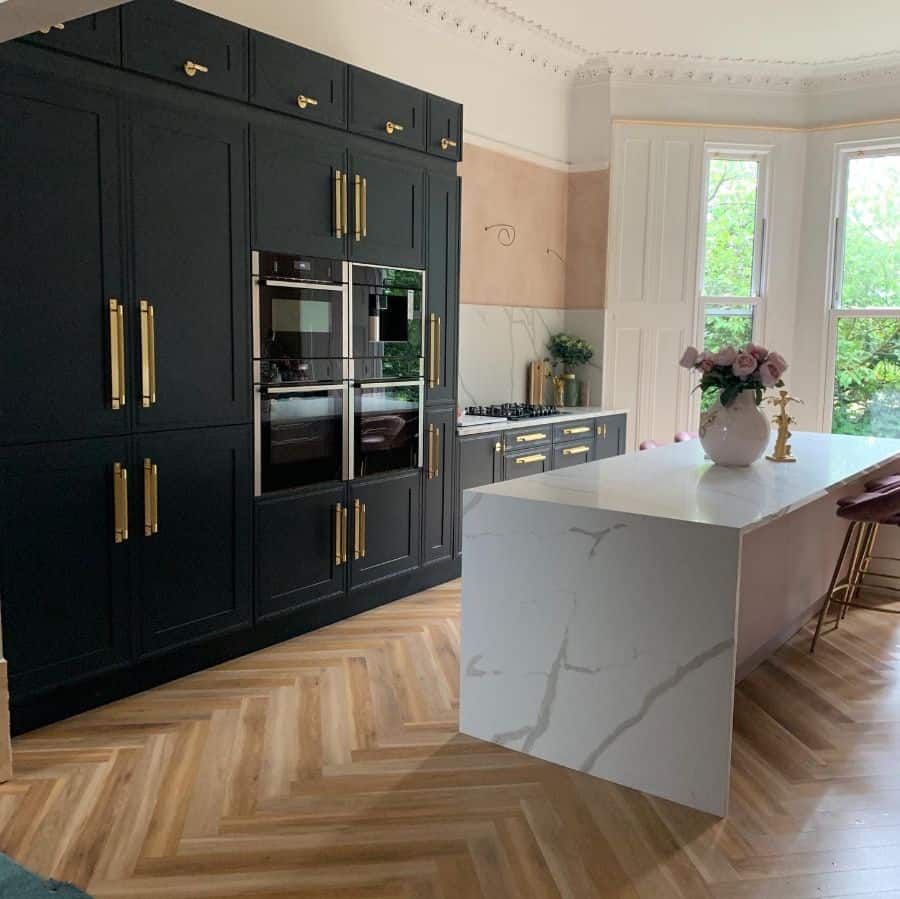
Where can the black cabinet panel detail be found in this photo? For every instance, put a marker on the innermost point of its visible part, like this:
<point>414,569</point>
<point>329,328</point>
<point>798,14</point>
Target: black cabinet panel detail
<point>95,36</point>
<point>299,550</point>
<point>195,563</point>
<point>438,499</point>
<point>63,577</point>
<point>444,128</point>
<point>386,109</point>
<point>59,260</point>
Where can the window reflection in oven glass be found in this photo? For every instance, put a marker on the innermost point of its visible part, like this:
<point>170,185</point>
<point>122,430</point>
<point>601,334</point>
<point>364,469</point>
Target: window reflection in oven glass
<point>386,429</point>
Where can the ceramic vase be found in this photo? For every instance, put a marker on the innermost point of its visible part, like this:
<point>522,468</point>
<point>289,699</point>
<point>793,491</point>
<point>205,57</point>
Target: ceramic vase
<point>737,434</point>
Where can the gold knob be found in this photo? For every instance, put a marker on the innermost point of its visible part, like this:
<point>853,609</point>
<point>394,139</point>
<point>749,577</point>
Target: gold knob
<point>57,25</point>
<point>191,68</point>
<point>498,447</point>
<point>303,101</point>
<point>391,127</point>
<point>447,144</point>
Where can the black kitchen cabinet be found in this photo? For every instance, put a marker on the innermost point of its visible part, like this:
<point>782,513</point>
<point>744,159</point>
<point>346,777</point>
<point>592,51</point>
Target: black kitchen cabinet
<point>193,530</point>
<point>190,267</point>
<point>64,567</point>
<point>444,128</point>
<point>442,287</point>
<point>300,550</point>
<point>610,436</point>
<point>60,260</point>
<point>95,37</point>
<point>386,110</point>
<point>297,81</point>
<point>178,43</point>
<point>480,460</point>
<point>438,493</point>
<point>297,190</point>
<point>383,533</point>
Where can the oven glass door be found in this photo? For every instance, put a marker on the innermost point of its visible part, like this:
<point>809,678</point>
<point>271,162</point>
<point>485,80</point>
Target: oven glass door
<point>300,332</point>
<point>387,427</point>
<point>299,437</point>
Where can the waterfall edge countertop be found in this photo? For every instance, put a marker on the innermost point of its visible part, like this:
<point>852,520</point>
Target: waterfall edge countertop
<point>678,482</point>
<point>466,425</point>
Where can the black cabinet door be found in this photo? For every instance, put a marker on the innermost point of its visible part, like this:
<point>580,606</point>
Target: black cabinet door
<point>193,531</point>
<point>60,260</point>
<point>388,208</point>
<point>192,48</point>
<point>444,128</point>
<point>386,110</point>
<point>190,258</point>
<point>297,190</point>
<point>610,433</point>
<point>480,460</point>
<point>297,81</point>
<point>63,570</point>
<point>383,532</point>
<point>442,287</point>
<point>95,36</point>
<point>299,550</point>
<point>437,518</point>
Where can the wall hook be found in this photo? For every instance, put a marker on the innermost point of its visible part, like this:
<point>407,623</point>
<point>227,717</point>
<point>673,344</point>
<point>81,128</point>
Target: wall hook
<point>506,234</point>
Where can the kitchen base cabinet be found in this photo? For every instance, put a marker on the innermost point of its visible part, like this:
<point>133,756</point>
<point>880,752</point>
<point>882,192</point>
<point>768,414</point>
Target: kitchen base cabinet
<point>193,531</point>
<point>64,560</point>
<point>437,502</point>
<point>384,535</point>
<point>299,551</point>
<point>610,436</point>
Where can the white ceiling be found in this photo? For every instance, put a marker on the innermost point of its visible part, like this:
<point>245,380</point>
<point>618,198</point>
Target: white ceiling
<point>798,31</point>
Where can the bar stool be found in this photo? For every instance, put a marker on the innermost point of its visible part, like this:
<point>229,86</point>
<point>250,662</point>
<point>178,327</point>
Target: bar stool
<point>866,512</point>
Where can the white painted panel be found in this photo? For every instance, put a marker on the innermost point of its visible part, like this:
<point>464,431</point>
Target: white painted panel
<point>675,236</point>
<point>632,240</point>
<point>667,406</point>
<point>626,377</point>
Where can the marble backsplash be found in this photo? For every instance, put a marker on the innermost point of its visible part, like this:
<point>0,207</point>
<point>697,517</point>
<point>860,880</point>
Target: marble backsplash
<point>497,343</point>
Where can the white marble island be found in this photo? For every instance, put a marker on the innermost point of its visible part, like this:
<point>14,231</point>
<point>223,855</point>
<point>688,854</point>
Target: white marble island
<point>608,608</point>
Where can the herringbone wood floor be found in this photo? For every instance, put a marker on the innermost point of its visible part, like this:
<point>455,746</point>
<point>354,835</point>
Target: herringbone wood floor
<point>330,767</point>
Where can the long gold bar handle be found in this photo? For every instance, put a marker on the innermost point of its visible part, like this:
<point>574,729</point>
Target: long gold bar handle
<point>148,354</point>
<point>434,441</point>
<point>365,208</point>
<point>576,450</point>
<point>432,341</point>
<point>583,429</point>
<point>338,534</point>
<point>525,460</point>
<point>344,555</point>
<point>357,207</point>
<point>362,539</point>
<point>436,353</point>
<point>530,438</point>
<point>120,502</point>
<point>151,498</point>
<point>338,221</point>
<point>117,353</point>
<point>345,218</point>
<point>357,507</point>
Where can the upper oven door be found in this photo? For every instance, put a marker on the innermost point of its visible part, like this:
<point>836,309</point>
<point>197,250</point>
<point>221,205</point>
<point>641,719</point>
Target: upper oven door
<point>299,331</point>
<point>386,312</point>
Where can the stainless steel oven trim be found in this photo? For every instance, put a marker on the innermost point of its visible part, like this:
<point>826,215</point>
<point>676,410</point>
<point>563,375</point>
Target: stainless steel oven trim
<point>325,386</point>
<point>302,285</point>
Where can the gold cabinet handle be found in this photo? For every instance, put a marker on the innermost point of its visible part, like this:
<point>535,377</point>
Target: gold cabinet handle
<point>447,144</point>
<point>432,340</point>
<point>601,430</point>
<point>191,68</point>
<point>433,448</point>
<point>583,429</point>
<point>344,555</point>
<point>151,498</point>
<point>338,205</point>
<point>576,450</point>
<point>120,502</point>
<point>527,460</point>
<point>365,208</point>
<point>148,354</point>
<point>339,534</point>
<point>59,26</point>
<point>357,207</point>
<point>391,127</point>
<point>498,447</point>
<point>303,101</point>
<point>362,552</point>
<point>357,509</point>
<point>530,438</point>
<point>117,353</point>
<point>345,220</point>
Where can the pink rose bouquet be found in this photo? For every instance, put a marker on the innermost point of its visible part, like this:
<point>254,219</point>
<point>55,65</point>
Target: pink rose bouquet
<point>730,371</point>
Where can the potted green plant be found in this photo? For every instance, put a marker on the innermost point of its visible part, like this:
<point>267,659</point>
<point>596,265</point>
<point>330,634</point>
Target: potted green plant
<point>567,353</point>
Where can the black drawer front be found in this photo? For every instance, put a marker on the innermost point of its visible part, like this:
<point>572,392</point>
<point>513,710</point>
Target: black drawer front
<point>170,40</point>
<point>580,430</point>
<point>296,81</point>
<point>95,37</point>
<point>577,453</point>
<point>387,110</point>
<point>536,435</point>
<point>525,462</point>
<point>444,128</point>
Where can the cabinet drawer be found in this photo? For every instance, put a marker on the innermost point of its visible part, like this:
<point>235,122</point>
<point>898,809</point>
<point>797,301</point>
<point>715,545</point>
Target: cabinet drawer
<point>387,110</point>
<point>525,462</point>
<point>525,438</point>
<point>95,36</point>
<point>170,40</point>
<point>577,453</point>
<point>580,430</point>
<point>444,128</point>
<point>297,81</point>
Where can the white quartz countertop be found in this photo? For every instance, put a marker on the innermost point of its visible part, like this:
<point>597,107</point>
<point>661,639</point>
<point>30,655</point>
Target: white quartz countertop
<point>679,483</point>
<point>480,424</point>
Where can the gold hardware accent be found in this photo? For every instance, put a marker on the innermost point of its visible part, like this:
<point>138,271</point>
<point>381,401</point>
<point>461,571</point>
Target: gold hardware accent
<point>117,353</point>
<point>781,452</point>
<point>303,101</point>
<point>338,221</point>
<point>357,207</point>
<point>362,552</point>
<point>601,430</point>
<point>527,460</point>
<point>391,127</point>
<point>59,26</point>
<point>148,354</point>
<point>583,429</point>
<point>120,502</point>
<point>344,555</point>
<point>530,438</point>
<point>433,448</point>
<point>345,220</point>
<point>151,498</point>
<point>498,447</point>
<point>191,68</point>
<point>365,208</point>
<point>338,535</point>
<point>447,144</point>
<point>434,339</point>
<point>576,450</point>
<point>357,507</point>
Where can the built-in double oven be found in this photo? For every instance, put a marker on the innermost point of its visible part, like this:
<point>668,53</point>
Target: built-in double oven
<point>338,361</point>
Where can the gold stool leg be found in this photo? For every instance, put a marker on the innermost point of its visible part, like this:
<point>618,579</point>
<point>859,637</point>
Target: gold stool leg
<point>861,565</point>
<point>834,579</point>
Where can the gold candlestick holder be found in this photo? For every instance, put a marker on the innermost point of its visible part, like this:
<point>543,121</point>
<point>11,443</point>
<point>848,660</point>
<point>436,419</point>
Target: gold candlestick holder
<point>782,450</point>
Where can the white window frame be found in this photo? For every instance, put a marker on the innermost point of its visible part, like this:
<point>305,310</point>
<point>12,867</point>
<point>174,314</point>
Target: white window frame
<point>759,276</point>
<point>843,154</point>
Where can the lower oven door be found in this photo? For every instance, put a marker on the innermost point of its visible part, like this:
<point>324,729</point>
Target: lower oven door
<point>386,426</point>
<point>301,438</point>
